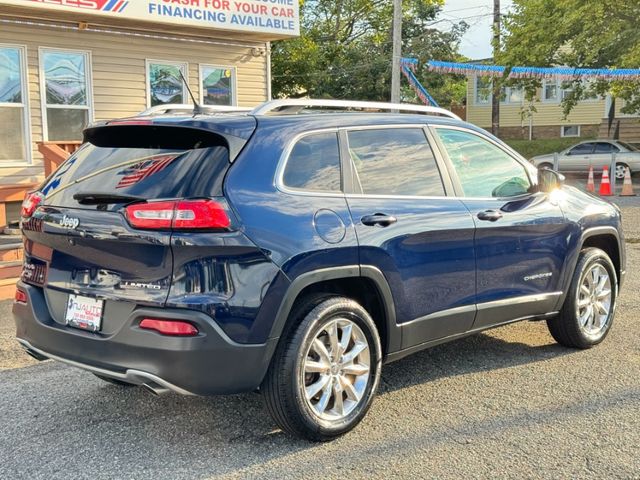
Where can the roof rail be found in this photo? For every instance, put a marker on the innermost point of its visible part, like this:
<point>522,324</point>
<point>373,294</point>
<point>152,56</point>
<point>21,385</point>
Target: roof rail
<point>295,105</point>
<point>187,108</point>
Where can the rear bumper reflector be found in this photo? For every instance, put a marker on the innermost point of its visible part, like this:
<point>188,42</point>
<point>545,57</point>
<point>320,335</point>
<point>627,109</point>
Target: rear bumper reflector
<point>173,328</point>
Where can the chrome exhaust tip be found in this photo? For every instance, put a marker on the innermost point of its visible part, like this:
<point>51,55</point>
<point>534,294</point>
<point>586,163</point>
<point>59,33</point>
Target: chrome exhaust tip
<point>35,355</point>
<point>155,389</point>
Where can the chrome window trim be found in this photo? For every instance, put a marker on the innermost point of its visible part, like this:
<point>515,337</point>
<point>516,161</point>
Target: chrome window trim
<point>284,159</point>
<point>383,127</point>
<point>505,302</point>
<point>286,153</point>
<point>398,197</point>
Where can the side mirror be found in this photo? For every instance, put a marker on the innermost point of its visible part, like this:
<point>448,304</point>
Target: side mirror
<point>549,180</point>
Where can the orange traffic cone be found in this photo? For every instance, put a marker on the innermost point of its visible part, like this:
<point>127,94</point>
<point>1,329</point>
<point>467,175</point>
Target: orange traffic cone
<point>627,187</point>
<point>605,185</point>
<point>591,185</point>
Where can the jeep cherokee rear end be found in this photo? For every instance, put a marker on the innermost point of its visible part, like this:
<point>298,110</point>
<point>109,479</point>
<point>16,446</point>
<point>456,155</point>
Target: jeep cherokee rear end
<point>136,266</point>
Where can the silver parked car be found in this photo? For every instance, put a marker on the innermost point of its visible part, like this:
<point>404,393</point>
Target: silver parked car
<point>598,153</point>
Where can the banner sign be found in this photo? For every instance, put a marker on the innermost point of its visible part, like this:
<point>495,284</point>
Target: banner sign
<point>277,17</point>
<point>565,73</point>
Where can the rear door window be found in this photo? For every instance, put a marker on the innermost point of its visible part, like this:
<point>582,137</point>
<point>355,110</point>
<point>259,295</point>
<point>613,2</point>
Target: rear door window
<point>604,147</point>
<point>314,164</point>
<point>394,161</point>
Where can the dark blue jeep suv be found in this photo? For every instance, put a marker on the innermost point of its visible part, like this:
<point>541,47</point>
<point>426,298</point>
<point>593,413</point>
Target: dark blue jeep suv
<point>297,248</point>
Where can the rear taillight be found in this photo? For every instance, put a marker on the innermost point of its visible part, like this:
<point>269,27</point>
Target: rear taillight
<point>174,328</point>
<point>155,215</point>
<point>200,214</point>
<point>180,215</point>
<point>30,203</point>
<point>21,296</point>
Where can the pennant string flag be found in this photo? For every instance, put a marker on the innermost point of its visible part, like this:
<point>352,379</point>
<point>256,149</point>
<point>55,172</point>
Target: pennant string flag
<point>564,73</point>
<point>408,67</point>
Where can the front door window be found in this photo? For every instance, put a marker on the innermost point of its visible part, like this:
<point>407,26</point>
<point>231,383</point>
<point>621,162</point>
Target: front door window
<point>483,169</point>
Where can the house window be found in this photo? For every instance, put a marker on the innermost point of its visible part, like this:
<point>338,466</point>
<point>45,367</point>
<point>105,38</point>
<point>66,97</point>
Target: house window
<point>217,85</point>
<point>66,93</point>
<point>164,83</point>
<point>566,92</point>
<point>570,131</point>
<point>553,91</point>
<point>512,95</point>
<point>483,90</point>
<point>14,117</point>
<point>550,91</point>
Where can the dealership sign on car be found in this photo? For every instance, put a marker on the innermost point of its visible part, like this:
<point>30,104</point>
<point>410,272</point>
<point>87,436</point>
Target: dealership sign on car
<point>280,17</point>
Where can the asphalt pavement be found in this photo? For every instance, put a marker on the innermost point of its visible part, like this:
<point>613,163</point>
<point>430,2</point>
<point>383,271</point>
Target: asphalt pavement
<point>508,403</point>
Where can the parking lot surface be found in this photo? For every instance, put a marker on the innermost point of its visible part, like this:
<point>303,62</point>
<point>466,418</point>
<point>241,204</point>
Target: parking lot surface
<point>508,403</point>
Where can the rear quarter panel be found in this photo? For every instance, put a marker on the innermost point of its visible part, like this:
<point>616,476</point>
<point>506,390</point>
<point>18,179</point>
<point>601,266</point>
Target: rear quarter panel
<point>283,225</point>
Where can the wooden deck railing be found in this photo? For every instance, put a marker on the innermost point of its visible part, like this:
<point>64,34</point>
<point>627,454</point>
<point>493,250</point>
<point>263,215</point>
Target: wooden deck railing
<point>55,153</point>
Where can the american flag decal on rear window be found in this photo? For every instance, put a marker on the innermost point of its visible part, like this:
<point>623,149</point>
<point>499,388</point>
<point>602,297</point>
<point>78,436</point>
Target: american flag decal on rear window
<point>139,171</point>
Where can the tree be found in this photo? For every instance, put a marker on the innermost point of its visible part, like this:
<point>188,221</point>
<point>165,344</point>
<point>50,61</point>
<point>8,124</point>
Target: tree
<point>345,49</point>
<point>577,33</point>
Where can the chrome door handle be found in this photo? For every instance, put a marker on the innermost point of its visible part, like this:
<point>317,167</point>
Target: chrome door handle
<point>490,215</point>
<point>378,219</point>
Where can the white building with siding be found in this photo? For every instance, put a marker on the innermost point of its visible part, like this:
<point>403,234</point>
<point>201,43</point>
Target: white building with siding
<point>66,63</point>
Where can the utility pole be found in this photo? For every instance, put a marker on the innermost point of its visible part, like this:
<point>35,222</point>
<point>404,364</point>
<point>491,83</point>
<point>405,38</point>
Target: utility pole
<point>397,51</point>
<point>495,99</point>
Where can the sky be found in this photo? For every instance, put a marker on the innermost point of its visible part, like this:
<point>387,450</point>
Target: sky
<point>478,14</point>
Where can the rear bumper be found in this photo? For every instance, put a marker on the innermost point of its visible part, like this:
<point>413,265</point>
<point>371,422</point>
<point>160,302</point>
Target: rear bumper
<point>207,364</point>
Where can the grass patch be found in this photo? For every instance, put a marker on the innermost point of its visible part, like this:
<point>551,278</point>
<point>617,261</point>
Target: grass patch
<point>531,148</point>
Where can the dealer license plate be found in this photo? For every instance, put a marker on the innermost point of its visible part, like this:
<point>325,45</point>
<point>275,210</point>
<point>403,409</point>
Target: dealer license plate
<point>84,312</point>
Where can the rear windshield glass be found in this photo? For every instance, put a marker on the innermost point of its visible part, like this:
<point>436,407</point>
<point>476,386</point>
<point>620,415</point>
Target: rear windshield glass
<point>149,173</point>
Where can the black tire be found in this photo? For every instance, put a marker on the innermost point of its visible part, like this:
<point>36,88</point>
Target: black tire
<point>284,386</point>
<point>114,381</point>
<point>566,327</point>
<point>548,166</point>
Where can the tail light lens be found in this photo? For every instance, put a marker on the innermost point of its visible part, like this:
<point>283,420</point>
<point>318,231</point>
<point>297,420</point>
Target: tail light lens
<point>154,215</point>
<point>30,203</point>
<point>21,296</point>
<point>173,328</point>
<point>179,215</point>
<point>200,214</point>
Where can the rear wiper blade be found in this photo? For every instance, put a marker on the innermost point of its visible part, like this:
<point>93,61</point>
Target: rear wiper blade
<point>97,198</point>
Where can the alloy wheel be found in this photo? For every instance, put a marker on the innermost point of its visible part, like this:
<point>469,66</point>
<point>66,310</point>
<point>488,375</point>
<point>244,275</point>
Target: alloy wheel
<point>593,306</point>
<point>336,369</point>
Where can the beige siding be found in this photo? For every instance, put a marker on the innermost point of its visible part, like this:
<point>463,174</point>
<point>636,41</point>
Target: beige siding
<point>119,75</point>
<point>585,113</point>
